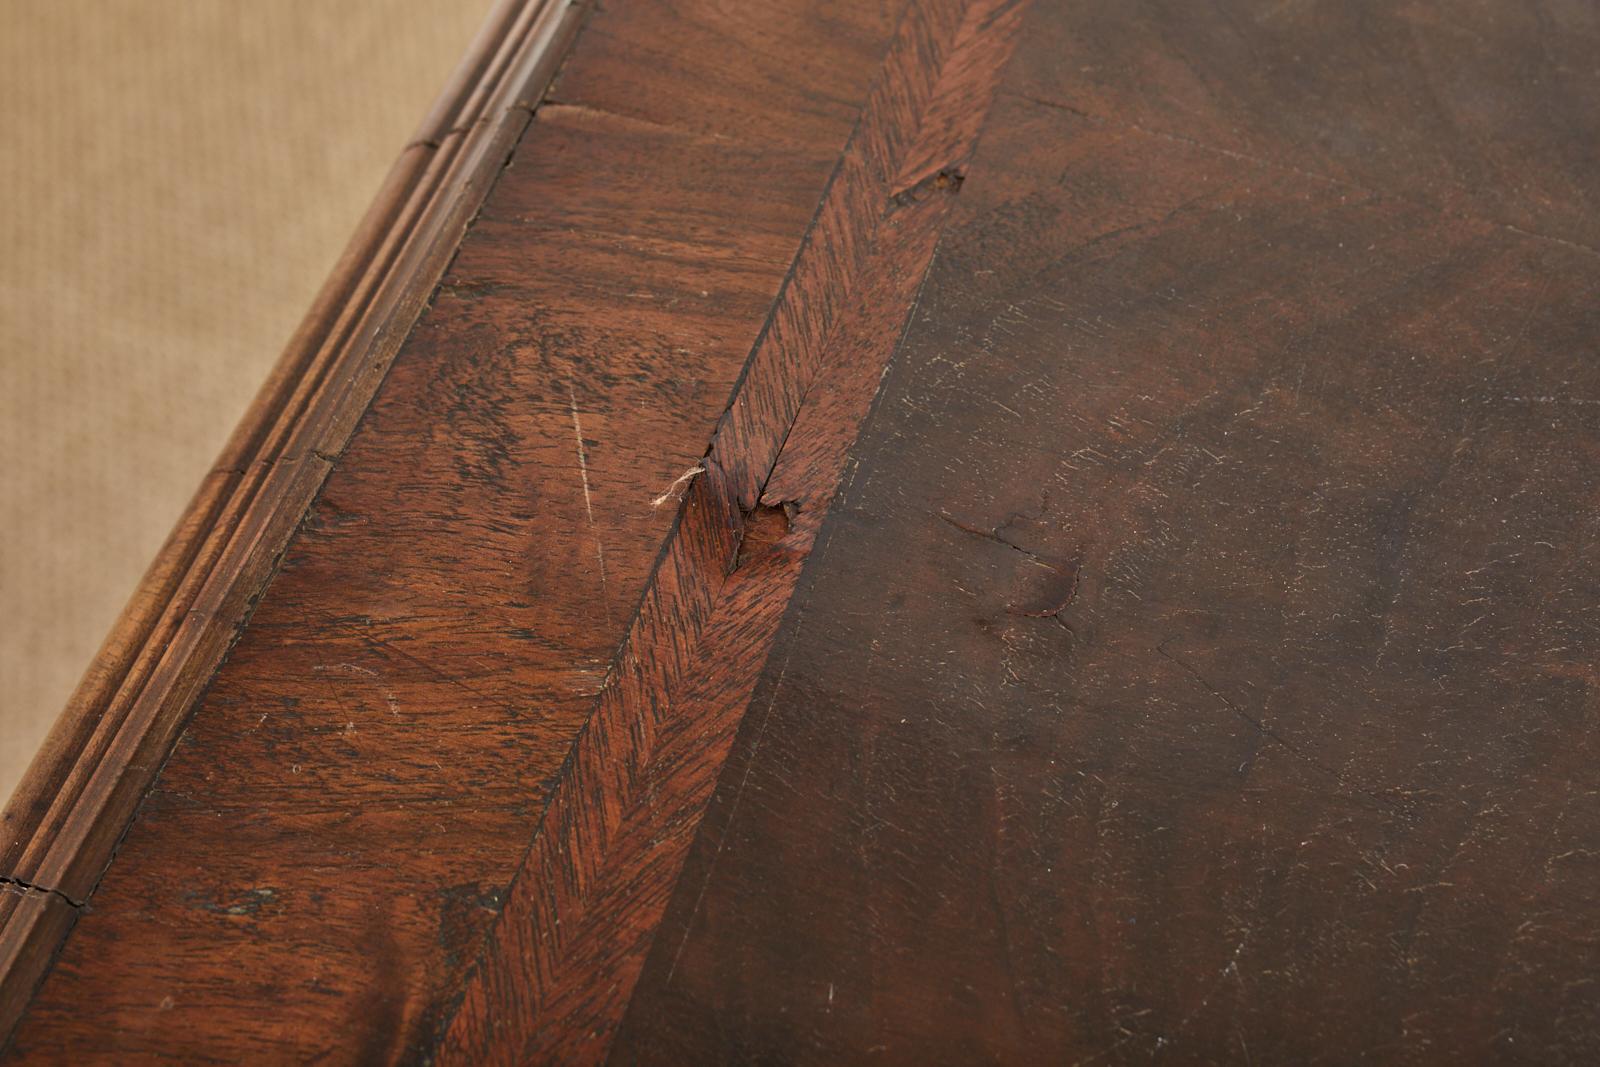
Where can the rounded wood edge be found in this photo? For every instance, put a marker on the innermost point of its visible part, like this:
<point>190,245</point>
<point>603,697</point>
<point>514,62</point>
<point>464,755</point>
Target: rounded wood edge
<point>62,822</point>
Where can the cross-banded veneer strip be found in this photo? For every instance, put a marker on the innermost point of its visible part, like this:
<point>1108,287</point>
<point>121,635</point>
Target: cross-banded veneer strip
<point>569,943</point>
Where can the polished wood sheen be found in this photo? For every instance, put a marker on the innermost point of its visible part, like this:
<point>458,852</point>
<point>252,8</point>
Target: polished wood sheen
<point>935,531</point>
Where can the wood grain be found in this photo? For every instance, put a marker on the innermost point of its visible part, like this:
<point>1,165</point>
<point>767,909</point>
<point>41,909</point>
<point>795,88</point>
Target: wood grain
<point>565,950</point>
<point>1483,110</point>
<point>339,821</point>
<point>1199,662</point>
<point>65,817</point>
<point>883,551</point>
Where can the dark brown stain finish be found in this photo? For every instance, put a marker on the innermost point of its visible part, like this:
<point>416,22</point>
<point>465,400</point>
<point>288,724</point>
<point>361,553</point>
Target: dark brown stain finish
<point>1483,109</point>
<point>1199,663</point>
<point>887,549</point>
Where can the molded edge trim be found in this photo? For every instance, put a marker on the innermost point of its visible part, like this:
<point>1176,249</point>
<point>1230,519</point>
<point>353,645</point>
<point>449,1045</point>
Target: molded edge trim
<point>61,826</point>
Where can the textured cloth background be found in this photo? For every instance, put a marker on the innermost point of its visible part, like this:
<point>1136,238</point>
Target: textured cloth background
<point>177,178</point>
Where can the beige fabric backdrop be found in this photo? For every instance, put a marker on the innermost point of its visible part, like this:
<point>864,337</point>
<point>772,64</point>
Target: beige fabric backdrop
<point>177,178</point>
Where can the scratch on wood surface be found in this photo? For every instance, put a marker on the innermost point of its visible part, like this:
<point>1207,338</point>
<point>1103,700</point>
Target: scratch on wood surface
<point>583,474</point>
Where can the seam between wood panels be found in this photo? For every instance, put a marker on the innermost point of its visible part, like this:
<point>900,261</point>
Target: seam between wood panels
<point>554,978</point>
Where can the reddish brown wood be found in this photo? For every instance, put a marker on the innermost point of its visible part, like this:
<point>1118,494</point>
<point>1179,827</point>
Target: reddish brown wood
<point>356,788</point>
<point>65,817</point>
<point>1178,641</point>
<point>572,936</point>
